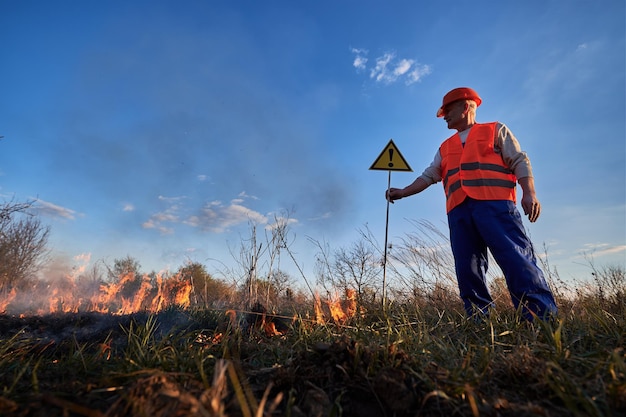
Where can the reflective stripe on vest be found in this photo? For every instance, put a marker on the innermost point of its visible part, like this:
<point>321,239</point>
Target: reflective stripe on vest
<point>475,170</point>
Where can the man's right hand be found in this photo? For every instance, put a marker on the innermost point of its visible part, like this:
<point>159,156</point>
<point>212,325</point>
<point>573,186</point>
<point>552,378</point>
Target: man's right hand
<point>415,187</point>
<point>393,194</point>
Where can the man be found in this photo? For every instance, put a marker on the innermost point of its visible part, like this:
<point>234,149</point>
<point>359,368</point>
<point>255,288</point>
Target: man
<point>479,166</point>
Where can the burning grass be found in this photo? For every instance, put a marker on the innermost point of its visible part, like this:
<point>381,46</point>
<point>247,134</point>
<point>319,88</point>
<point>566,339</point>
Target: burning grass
<point>402,362</point>
<point>131,293</point>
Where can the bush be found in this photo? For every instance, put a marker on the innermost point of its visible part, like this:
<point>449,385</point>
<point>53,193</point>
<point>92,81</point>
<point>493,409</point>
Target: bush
<point>23,244</point>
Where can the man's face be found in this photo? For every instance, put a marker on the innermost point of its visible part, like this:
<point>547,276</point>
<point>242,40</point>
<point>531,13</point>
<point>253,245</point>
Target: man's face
<point>455,114</point>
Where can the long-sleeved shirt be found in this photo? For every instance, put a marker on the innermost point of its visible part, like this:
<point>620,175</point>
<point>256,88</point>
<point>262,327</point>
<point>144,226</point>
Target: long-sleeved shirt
<point>504,144</point>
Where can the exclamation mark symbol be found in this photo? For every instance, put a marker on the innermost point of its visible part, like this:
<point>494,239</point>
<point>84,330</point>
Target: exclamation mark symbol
<point>390,165</point>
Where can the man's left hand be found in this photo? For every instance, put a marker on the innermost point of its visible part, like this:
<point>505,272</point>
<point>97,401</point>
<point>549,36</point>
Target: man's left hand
<point>531,207</point>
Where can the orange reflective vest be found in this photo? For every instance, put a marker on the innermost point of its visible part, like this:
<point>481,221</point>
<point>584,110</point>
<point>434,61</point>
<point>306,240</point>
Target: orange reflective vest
<point>475,170</point>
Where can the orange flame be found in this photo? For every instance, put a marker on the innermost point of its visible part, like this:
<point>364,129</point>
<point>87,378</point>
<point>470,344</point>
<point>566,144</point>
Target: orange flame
<point>10,297</point>
<point>340,311</point>
<point>270,329</point>
<point>336,310</point>
<point>134,303</point>
<point>319,314</point>
<point>63,302</point>
<point>127,295</point>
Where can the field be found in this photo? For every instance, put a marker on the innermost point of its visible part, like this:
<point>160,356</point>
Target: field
<point>408,359</point>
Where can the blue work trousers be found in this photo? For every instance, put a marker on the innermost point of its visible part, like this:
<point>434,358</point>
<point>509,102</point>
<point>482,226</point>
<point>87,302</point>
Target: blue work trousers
<point>477,225</point>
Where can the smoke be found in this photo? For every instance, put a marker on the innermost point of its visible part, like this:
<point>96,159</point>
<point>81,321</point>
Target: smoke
<point>63,282</point>
<point>201,114</point>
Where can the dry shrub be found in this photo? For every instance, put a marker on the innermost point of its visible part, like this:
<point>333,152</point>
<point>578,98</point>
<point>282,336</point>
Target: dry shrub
<point>163,395</point>
<point>500,294</point>
<point>159,395</point>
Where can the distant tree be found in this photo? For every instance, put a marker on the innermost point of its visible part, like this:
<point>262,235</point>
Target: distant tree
<point>295,300</point>
<point>281,281</point>
<point>88,283</point>
<point>23,244</point>
<point>256,257</point>
<point>357,267</point>
<point>129,270</point>
<point>271,290</point>
<point>207,291</point>
<point>122,267</point>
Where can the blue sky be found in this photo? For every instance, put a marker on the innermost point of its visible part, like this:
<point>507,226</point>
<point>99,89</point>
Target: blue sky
<point>160,129</point>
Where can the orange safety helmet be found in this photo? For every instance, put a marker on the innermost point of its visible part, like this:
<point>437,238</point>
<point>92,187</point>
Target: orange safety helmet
<point>461,93</point>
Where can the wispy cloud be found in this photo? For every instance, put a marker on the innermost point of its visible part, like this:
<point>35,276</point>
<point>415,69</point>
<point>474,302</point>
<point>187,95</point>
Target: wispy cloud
<point>217,218</point>
<point>281,221</point>
<point>360,59</point>
<point>389,69</point>
<point>214,216</point>
<point>203,178</point>
<point>568,71</point>
<point>601,249</point>
<point>582,46</point>
<point>52,210</point>
<point>171,199</point>
<point>324,216</point>
<point>164,230</point>
<point>243,194</point>
<point>159,220</point>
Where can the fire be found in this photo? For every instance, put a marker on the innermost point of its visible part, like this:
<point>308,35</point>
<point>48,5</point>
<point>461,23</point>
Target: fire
<point>336,310</point>
<point>270,329</point>
<point>133,304</point>
<point>129,294</point>
<point>174,291</point>
<point>4,303</point>
<point>350,302</point>
<point>62,302</point>
<point>152,296</point>
<point>340,311</point>
<point>319,314</point>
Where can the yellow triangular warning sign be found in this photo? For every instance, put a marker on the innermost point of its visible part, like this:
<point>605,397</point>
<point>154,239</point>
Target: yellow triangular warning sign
<point>390,159</point>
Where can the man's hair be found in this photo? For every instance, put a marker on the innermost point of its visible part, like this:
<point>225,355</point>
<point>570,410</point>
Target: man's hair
<point>472,106</point>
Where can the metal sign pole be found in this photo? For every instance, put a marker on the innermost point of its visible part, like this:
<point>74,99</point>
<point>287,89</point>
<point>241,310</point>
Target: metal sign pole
<point>385,251</point>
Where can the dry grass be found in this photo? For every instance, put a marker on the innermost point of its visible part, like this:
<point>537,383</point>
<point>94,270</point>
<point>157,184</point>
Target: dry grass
<point>411,360</point>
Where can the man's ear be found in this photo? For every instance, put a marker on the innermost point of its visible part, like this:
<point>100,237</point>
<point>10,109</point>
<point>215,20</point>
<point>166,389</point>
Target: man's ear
<point>466,108</point>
